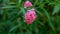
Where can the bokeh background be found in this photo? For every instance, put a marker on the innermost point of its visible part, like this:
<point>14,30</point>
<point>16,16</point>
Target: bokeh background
<point>12,17</point>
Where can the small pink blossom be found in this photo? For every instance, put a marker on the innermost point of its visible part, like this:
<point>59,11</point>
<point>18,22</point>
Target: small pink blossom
<point>30,16</point>
<point>27,4</point>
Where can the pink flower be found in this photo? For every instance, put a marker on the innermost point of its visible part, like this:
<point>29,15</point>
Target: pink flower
<point>27,4</point>
<point>30,16</point>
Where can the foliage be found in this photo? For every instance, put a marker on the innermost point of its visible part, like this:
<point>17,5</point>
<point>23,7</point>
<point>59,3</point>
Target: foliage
<point>12,17</point>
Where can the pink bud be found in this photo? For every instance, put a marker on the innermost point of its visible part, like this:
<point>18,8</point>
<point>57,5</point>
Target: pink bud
<point>30,16</point>
<point>27,4</point>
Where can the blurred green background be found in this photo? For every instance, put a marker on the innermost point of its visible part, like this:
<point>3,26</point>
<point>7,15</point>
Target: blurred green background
<point>12,17</point>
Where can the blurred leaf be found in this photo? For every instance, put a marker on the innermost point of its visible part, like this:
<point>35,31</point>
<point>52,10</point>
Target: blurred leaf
<point>8,7</point>
<point>14,28</point>
<point>12,3</point>
<point>19,1</point>
<point>40,23</point>
<point>56,9</point>
<point>52,3</point>
<point>49,20</point>
<point>1,12</point>
<point>51,32</point>
<point>58,28</point>
<point>41,1</point>
<point>39,12</point>
<point>36,2</point>
<point>23,10</point>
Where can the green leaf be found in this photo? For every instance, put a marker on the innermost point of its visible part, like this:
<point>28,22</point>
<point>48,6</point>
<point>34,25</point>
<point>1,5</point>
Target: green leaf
<point>19,1</point>
<point>14,28</point>
<point>12,3</point>
<point>56,9</point>
<point>49,20</point>
<point>36,1</point>
<point>23,10</point>
<point>1,11</point>
<point>39,12</point>
<point>58,28</point>
<point>7,7</point>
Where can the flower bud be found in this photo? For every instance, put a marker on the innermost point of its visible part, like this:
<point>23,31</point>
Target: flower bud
<point>27,4</point>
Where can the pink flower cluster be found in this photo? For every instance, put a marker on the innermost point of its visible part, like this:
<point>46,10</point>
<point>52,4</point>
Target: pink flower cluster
<point>30,15</point>
<point>27,4</point>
